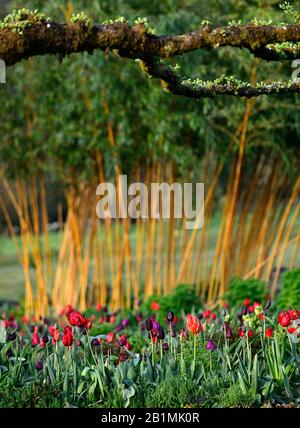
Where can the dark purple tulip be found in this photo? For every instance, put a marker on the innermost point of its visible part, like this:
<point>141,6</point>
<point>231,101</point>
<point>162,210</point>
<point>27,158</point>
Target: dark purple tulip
<point>139,317</point>
<point>12,336</point>
<point>122,341</point>
<point>32,328</point>
<point>9,353</point>
<point>104,309</point>
<point>244,310</point>
<point>211,346</point>
<point>200,316</point>
<point>95,342</point>
<point>149,324</point>
<point>160,333</point>
<point>228,331</point>
<point>118,328</point>
<point>39,365</point>
<point>138,303</point>
<point>40,328</point>
<point>170,316</point>
<point>125,323</point>
<point>240,316</point>
<point>165,346</point>
<point>173,333</point>
<point>156,325</point>
<point>45,339</point>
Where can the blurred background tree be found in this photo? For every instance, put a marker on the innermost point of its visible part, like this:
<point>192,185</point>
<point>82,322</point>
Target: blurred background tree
<point>68,124</point>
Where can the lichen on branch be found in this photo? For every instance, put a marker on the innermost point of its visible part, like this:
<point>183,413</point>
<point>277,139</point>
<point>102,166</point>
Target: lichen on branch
<point>24,34</point>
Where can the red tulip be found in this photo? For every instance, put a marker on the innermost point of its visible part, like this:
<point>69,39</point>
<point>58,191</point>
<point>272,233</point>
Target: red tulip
<point>193,324</point>
<point>77,319</point>
<point>123,341</point>
<point>25,320</point>
<point>250,333</point>
<point>241,332</point>
<point>110,337</point>
<point>122,357</point>
<point>292,314</point>
<point>284,319</point>
<point>69,309</point>
<point>102,320</point>
<point>112,319</point>
<point>35,338</point>
<point>155,306</point>
<point>206,313</point>
<point>247,302</point>
<point>291,329</point>
<point>67,338</point>
<point>269,332</point>
<point>213,316</point>
<point>56,336</point>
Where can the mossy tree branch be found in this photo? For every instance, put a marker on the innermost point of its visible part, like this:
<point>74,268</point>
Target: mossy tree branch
<point>33,34</point>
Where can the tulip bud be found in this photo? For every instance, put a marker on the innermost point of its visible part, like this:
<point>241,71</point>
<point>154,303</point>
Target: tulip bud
<point>160,334</point>
<point>95,342</point>
<point>9,353</point>
<point>125,323</point>
<point>122,341</point>
<point>149,324</point>
<point>170,316</point>
<point>12,336</point>
<point>39,365</point>
<point>211,346</point>
<point>139,317</point>
<point>165,347</point>
<point>45,339</point>
<point>244,310</point>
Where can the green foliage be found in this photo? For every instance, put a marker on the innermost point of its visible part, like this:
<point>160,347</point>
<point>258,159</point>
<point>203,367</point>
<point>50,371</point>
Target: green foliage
<point>239,289</point>
<point>32,395</point>
<point>234,397</point>
<point>289,295</point>
<point>240,372</point>
<point>181,300</point>
<point>20,19</point>
<point>82,18</point>
<point>104,328</point>
<point>151,124</point>
<point>290,11</point>
<point>174,392</point>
